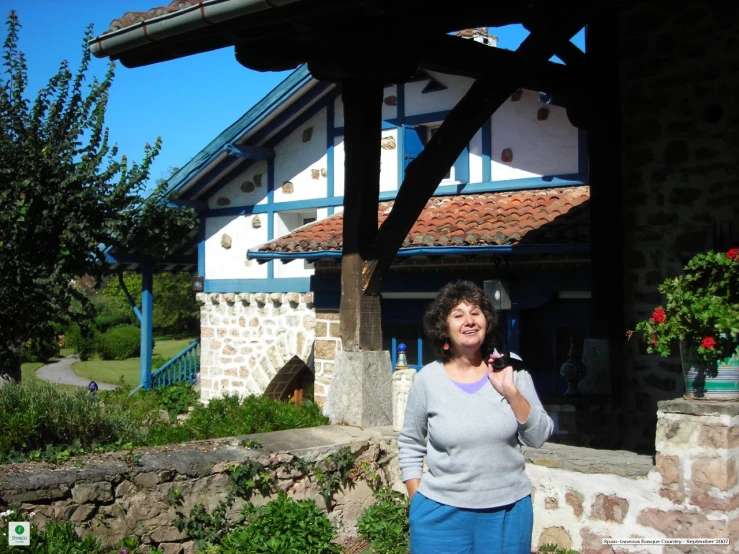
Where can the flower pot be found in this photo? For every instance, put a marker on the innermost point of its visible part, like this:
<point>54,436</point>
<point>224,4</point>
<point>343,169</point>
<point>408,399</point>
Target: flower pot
<point>710,381</point>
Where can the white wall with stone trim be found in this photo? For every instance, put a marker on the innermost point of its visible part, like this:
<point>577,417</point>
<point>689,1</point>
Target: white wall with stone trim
<point>254,343</point>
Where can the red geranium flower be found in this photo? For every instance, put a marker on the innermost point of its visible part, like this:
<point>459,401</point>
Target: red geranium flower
<point>654,340</point>
<point>659,315</point>
<point>733,253</point>
<point>708,342</point>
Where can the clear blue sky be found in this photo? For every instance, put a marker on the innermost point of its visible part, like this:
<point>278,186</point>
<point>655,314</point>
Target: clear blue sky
<point>187,102</point>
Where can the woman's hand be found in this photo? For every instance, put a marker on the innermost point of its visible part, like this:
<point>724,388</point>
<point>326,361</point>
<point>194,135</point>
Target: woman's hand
<point>501,379</point>
<point>412,486</point>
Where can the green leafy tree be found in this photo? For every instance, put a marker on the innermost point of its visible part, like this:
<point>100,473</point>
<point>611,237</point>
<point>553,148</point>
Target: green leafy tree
<point>64,192</point>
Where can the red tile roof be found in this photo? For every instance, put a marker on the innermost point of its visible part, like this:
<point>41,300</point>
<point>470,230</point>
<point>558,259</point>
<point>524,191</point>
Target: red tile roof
<point>131,18</point>
<point>547,216</point>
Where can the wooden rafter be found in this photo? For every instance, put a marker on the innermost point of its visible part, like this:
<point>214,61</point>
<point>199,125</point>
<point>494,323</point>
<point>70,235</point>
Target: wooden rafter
<point>425,172</point>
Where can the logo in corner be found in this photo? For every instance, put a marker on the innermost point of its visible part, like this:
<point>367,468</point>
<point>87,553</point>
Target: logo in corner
<point>19,533</point>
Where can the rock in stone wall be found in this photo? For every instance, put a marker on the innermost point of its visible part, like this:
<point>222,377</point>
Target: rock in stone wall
<point>680,131</point>
<point>328,343</point>
<point>253,343</point>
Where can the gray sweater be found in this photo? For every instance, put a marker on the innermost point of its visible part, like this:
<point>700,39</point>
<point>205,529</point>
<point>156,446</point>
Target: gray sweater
<point>473,454</point>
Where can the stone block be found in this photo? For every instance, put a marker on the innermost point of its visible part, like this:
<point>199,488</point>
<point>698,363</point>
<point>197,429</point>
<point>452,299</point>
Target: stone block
<point>719,436</point>
<point>675,523</point>
<point>669,468</point>
<point>83,513</point>
<point>361,389</point>
<point>147,480</point>
<point>555,535</point>
<point>714,472</point>
<point>550,503</point>
<point>325,349</point>
<point>92,492</point>
<point>608,507</point>
<point>575,499</point>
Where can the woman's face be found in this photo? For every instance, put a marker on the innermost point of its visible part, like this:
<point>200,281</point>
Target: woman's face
<point>466,325</point>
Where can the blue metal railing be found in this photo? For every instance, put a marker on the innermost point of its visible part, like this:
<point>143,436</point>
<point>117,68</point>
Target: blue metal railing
<point>184,367</point>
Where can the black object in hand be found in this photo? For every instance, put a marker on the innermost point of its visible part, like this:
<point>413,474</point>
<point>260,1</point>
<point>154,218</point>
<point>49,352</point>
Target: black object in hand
<point>505,360</point>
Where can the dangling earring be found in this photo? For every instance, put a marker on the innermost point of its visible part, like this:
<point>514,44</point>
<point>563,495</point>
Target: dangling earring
<point>446,346</point>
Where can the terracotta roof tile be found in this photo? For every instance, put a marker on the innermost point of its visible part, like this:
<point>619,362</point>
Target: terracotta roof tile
<point>131,18</point>
<point>548,216</point>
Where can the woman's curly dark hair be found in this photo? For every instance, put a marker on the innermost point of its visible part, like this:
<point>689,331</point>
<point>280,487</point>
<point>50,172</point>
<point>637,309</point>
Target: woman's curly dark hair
<point>451,294</point>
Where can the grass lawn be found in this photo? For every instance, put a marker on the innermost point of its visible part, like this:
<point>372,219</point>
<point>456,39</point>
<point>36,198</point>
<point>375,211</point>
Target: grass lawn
<point>111,371</point>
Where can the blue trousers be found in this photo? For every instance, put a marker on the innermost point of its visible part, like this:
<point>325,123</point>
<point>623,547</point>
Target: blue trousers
<point>441,529</point>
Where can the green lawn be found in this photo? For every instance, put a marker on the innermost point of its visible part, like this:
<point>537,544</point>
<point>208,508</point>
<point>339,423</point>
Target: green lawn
<point>111,371</point>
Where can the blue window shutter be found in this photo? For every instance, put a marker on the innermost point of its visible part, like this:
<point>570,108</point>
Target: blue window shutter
<point>414,140</point>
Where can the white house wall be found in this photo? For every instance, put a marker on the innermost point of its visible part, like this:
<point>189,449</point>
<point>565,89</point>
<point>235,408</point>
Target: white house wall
<point>301,162</point>
<point>388,162</point>
<point>389,106</point>
<point>226,241</point>
<point>417,103</point>
<point>548,147</point>
<point>248,188</point>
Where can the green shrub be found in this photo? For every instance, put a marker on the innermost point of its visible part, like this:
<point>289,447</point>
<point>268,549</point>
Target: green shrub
<point>283,526</point>
<point>84,342</point>
<point>104,322</point>
<point>38,417</point>
<point>228,417</point>
<point>385,524</point>
<point>120,343</point>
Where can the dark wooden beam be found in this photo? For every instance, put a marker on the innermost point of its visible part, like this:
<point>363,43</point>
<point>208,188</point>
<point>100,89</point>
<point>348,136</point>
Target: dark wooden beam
<point>606,196</point>
<point>426,171</point>
<point>458,56</point>
<point>360,326</point>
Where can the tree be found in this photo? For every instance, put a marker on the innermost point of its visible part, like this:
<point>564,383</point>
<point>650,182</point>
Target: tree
<point>63,194</point>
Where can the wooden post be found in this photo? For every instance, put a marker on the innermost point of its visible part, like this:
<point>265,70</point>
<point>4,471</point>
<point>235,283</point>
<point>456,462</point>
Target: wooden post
<point>606,194</point>
<point>360,314</point>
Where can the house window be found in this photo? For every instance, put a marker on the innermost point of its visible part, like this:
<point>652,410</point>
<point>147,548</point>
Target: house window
<point>403,323</point>
<point>432,131</point>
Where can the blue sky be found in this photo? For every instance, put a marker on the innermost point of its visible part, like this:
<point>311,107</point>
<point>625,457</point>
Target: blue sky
<point>187,102</point>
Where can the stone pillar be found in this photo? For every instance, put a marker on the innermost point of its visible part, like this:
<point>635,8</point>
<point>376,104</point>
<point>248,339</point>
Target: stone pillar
<point>402,382</point>
<point>698,460</point>
<point>361,390</point>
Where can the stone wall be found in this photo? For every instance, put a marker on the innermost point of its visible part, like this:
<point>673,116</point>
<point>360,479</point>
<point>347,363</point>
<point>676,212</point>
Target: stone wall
<point>120,495</point>
<point>679,68</point>
<point>254,343</point>
<point>582,496</point>
<point>328,343</point>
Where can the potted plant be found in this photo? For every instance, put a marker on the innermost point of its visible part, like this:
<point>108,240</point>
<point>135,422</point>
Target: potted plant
<point>700,315</point>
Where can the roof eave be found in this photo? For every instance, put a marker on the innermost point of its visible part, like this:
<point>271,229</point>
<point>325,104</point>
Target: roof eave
<point>166,27</point>
<point>432,251</point>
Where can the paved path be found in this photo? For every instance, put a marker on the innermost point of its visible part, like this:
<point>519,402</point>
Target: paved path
<point>61,373</point>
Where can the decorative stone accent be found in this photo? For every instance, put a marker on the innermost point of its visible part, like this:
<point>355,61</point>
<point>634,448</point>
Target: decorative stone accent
<point>223,201</point>
<point>391,100</point>
<point>516,96</point>
<point>287,187</point>
<point>256,222</point>
<point>506,156</point>
<point>542,114</point>
<point>226,241</point>
<point>315,174</point>
<point>388,143</point>
<point>550,503</point>
<point>324,172</point>
<point>258,180</point>
<point>247,186</point>
<point>307,134</point>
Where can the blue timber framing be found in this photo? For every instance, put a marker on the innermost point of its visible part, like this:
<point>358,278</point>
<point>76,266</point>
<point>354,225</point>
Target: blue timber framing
<point>147,306</point>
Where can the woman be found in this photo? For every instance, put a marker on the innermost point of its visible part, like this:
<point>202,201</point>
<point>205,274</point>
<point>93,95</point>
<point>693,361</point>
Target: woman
<point>475,497</point>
